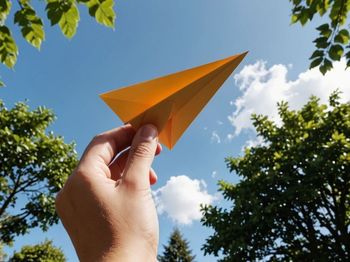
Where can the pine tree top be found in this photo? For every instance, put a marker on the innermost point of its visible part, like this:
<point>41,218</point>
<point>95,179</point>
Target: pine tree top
<point>177,249</point>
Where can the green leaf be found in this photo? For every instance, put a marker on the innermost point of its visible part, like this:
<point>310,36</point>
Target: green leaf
<point>102,11</point>
<point>342,37</point>
<point>69,21</point>
<point>321,42</point>
<point>322,7</point>
<point>55,10</point>
<point>326,66</point>
<point>5,8</point>
<point>31,25</point>
<point>2,84</point>
<point>324,30</point>
<point>323,27</point>
<point>316,62</point>
<point>8,47</point>
<point>65,14</point>
<point>336,52</point>
<point>338,13</point>
<point>304,17</point>
<point>294,19</point>
<point>317,53</point>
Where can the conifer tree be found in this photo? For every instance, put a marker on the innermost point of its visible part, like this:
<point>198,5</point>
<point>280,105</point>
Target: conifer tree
<point>177,249</point>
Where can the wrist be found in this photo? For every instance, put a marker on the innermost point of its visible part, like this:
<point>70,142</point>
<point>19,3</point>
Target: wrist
<point>126,252</point>
<point>129,256</point>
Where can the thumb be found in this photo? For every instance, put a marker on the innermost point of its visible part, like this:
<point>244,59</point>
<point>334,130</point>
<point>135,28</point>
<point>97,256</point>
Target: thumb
<point>141,155</point>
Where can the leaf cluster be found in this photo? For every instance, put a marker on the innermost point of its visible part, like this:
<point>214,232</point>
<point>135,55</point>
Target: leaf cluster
<point>34,165</point>
<point>333,41</point>
<point>43,252</point>
<point>293,200</point>
<point>64,13</point>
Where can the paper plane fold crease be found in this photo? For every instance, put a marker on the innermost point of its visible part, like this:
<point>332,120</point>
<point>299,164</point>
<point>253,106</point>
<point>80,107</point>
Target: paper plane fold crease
<point>171,102</point>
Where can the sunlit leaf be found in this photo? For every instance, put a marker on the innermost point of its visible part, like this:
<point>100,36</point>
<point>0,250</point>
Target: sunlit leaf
<point>69,21</point>
<point>102,11</point>
<point>8,47</point>
<point>5,8</point>
<point>336,52</point>
<point>65,14</point>
<point>342,37</point>
<point>31,25</point>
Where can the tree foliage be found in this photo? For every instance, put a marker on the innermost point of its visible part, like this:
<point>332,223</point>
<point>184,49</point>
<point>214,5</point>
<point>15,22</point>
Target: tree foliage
<point>63,13</point>
<point>293,200</point>
<point>33,168</point>
<point>3,255</point>
<point>44,252</point>
<point>177,249</point>
<point>333,41</point>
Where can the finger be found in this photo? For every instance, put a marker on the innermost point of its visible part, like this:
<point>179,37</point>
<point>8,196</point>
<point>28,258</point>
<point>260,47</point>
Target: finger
<point>141,155</point>
<point>159,149</point>
<point>152,177</point>
<point>105,146</point>
<point>118,165</point>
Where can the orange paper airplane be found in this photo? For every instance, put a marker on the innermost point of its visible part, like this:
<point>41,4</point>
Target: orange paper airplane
<point>171,102</point>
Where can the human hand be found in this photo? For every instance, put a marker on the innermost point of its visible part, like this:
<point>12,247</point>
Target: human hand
<point>108,211</point>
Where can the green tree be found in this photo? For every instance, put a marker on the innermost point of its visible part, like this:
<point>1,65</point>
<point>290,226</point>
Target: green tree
<point>33,167</point>
<point>63,13</point>
<point>293,201</point>
<point>333,41</point>
<point>44,252</point>
<point>177,249</point>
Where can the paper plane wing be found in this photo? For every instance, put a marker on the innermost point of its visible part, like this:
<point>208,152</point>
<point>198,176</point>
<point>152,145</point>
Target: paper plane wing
<point>171,102</point>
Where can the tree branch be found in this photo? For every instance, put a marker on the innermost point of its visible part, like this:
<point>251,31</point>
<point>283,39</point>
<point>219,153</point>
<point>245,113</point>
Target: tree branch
<point>9,199</point>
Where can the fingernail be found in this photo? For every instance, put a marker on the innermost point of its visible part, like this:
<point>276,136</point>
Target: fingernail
<point>149,132</point>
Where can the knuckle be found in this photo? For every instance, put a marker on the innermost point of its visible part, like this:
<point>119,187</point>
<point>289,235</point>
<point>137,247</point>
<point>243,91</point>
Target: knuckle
<point>137,191</point>
<point>99,138</point>
<point>143,150</point>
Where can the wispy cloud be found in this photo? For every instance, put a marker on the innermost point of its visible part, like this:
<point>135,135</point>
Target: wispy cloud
<point>215,138</point>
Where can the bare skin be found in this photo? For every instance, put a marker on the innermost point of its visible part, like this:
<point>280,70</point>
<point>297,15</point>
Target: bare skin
<point>107,209</point>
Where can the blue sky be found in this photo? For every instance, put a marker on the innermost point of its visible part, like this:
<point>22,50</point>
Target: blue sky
<point>153,38</point>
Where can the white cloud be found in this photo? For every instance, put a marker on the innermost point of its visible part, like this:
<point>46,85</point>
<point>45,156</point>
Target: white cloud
<point>220,123</point>
<point>256,141</point>
<point>215,138</point>
<point>263,87</point>
<point>181,197</point>
<point>214,174</point>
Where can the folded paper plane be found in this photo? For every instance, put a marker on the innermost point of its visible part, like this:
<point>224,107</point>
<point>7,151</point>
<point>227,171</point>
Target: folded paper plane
<point>171,102</point>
